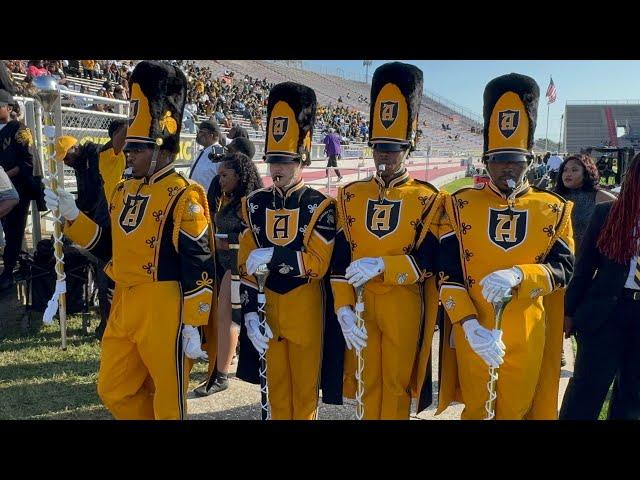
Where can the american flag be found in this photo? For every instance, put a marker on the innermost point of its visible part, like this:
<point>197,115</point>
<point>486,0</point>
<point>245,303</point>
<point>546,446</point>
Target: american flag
<point>551,92</point>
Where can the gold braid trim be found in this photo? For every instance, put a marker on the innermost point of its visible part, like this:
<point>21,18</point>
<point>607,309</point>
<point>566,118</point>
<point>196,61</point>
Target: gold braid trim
<point>560,228</point>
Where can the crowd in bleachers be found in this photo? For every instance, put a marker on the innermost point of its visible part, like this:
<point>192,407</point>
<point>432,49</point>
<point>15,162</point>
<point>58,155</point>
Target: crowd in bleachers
<point>220,97</point>
<point>230,96</point>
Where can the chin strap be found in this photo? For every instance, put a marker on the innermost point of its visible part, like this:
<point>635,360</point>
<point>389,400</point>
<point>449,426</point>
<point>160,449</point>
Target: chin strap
<point>154,161</point>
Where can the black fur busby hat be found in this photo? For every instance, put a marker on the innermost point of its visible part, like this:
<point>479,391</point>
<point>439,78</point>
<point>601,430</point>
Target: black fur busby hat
<point>158,93</point>
<point>291,113</point>
<point>510,112</point>
<point>396,92</point>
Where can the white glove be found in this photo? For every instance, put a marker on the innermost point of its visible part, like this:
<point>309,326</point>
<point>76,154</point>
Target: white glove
<point>486,343</point>
<point>191,344</point>
<point>498,285</point>
<point>364,269</point>
<point>260,342</point>
<point>353,336</point>
<point>62,200</point>
<point>257,257</point>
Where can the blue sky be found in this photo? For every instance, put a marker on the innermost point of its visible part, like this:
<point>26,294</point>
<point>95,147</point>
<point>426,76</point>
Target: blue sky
<point>463,81</point>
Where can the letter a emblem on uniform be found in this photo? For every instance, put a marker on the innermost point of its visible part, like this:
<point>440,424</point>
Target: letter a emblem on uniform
<point>133,212</point>
<point>282,226</point>
<point>388,113</point>
<point>383,217</point>
<point>279,128</point>
<point>508,121</point>
<point>507,229</point>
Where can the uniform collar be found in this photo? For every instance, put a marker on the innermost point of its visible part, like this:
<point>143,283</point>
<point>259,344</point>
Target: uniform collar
<point>519,191</point>
<point>401,178</point>
<point>160,174</point>
<point>291,190</point>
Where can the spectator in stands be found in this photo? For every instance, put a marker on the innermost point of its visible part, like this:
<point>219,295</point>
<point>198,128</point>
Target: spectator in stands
<point>237,132</point>
<point>119,93</point>
<point>206,167</point>
<point>55,70</point>
<point>228,123</point>
<point>333,150</point>
<point>36,68</point>
<point>578,181</point>
<point>97,70</point>
<point>602,305</point>
<point>218,116</point>
<point>9,198</point>
<point>87,68</point>
<point>73,68</point>
<point>108,90</point>
<point>237,178</point>
<point>26,88</point>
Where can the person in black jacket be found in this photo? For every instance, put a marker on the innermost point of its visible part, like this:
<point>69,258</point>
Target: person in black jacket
<point>16,157</point>
<point>603,311</point>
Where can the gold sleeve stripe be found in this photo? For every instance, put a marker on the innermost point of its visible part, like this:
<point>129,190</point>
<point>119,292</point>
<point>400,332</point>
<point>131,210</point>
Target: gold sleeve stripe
<point>415,267</point>
<point>449,285</point>
<point>96,238</point>
<point>549,277</point>
<point>565,245</point>
<point>447,235</point>
<point>338,279</point>
<point>197,291</point>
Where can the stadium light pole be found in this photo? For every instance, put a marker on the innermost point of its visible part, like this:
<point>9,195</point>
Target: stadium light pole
<point>560,136</point>
<point>366,64</point>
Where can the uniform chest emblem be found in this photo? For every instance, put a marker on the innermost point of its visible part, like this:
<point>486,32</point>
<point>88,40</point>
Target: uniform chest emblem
<point>133,212</point>
<point>282,226</point>
<point>383,216</point>
<point>507,229</point>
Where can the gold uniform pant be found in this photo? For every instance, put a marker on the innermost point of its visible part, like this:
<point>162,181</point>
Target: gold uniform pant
<point>295,352</point>
<point>523,333</point>
<point>392,320</point>
<point>141,363</point>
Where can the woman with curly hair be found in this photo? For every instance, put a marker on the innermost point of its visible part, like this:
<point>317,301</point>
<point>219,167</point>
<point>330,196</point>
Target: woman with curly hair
<point>237,177</point>
<point>578,181</point>
<point>602,307</point>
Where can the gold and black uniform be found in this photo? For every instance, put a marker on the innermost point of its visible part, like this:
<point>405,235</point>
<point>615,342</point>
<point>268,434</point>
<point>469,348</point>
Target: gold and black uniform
<point>158,245</point>
<point>484,230</point>
<point>300,226</point>
<point>394,222</point>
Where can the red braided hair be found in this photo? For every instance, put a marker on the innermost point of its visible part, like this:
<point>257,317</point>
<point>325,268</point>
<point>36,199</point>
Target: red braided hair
<point>618,239</point>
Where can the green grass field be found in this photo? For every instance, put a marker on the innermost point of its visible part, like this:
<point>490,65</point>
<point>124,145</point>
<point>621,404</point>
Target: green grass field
<point>40,380</point>
<point>458,184</point>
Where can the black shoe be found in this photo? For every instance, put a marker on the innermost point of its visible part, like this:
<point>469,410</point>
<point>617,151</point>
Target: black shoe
<point>219,384</point>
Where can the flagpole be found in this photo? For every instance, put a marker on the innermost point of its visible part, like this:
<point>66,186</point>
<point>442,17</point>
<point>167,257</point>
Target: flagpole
<point>546,137</point>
